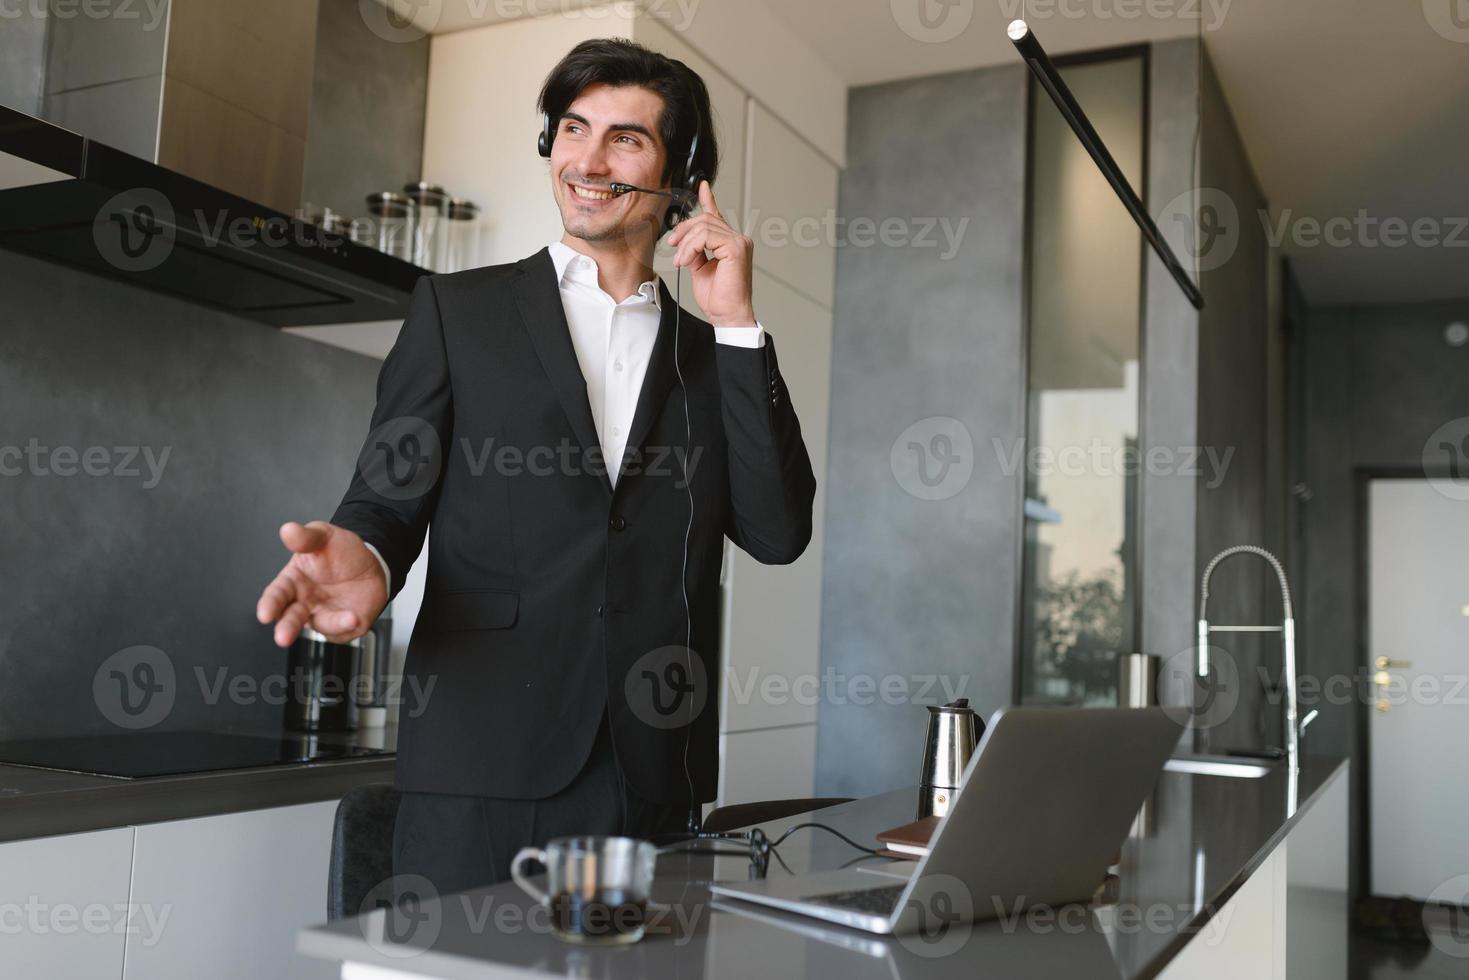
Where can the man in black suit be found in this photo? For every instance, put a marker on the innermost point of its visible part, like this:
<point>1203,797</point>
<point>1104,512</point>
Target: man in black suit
<point>576,476</point>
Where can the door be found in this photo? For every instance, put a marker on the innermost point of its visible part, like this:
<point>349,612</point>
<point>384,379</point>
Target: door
<point>1418,662</point>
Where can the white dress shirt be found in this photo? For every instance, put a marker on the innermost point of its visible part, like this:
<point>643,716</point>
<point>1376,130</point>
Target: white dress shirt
<point>613,342</point>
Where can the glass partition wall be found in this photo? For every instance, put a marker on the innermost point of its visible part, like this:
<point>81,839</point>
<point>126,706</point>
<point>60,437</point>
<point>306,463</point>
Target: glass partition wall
<point>1079,575</point>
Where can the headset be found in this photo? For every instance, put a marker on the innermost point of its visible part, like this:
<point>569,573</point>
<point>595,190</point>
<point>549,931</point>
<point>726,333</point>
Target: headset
<point>684,195</point>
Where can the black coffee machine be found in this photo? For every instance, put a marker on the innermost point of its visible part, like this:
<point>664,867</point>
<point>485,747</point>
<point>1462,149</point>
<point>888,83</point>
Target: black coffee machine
<point>322,684</point>
<point>335,687</point>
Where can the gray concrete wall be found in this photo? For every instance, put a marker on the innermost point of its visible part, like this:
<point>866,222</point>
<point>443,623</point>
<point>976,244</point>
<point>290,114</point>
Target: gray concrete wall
<point>914,586</point>
<point>1233,401</point>
<point>104,547</point>
<point>1168,413</point>
<point>23,60</point>
<point>368,101</point>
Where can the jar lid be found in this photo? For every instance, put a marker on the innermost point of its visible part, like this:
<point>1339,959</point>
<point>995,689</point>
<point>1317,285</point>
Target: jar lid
<point>459,209</point>
<point>426,195</point>
<point>389,204</point>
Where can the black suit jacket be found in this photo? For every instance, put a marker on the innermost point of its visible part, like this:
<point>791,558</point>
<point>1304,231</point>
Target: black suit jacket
<point>549,595</point>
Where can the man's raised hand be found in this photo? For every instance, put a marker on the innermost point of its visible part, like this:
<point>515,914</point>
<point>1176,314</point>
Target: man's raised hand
<point>332,583</point>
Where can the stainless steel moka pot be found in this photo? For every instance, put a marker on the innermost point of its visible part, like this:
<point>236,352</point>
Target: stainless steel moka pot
<point>953,732</point>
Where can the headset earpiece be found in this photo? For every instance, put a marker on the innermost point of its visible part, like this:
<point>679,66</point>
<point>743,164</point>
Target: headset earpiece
<point>687,179</point>
<point>548,134</point>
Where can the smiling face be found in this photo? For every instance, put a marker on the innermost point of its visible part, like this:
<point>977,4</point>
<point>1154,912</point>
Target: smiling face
<point>610,133</point>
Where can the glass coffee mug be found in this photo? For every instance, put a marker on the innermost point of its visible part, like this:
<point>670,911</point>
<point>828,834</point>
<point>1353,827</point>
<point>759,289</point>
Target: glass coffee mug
<point>596,887</point>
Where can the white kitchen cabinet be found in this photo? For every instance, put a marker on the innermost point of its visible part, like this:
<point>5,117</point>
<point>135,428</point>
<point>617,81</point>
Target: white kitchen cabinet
<point>1289,918</point>
<point>790,207</point>
<point>768,764</point>
<point>1318,906</point>
<point>772,684</point>
<point>64,902</point>
<point>773,612</point>
<point>237,887</point>
<point>1246,938</point>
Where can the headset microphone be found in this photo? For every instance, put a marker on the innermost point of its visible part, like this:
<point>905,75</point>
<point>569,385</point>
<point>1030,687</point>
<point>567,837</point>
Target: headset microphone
<point>678,194</point>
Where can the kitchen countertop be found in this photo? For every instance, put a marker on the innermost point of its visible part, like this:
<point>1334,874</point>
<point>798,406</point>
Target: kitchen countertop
<point>1197,841</point>
<point>44,802</point>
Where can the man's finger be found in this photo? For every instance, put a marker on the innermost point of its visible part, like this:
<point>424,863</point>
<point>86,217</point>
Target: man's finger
<point>277,596</point>
<point>721,240</point>
<point>290,624</point>
<point>693,241</point>
<point>684,227</point>
<point>706,199</point>
<point>305,538</point>
<point>338,625</point>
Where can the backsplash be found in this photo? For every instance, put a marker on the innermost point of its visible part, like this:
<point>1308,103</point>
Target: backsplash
<point>149,451</point>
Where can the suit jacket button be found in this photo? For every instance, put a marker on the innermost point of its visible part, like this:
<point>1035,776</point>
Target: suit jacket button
<point>599,612</point>
<point>617,523</point>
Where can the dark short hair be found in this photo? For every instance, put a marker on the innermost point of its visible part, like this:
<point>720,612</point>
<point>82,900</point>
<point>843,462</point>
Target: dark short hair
<point>615,61</point>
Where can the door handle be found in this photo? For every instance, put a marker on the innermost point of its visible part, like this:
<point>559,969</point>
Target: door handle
<point>1383,663</point>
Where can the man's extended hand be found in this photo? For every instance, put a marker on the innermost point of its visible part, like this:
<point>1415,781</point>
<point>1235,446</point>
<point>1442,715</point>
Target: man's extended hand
<point>332,582</point>
<point>723,284</point>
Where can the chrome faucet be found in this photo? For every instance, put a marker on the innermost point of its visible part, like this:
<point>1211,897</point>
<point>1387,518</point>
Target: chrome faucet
<point>1287,629</point>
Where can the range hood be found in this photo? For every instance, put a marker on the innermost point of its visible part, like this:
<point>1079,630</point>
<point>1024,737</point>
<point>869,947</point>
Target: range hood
<point>72,200</point>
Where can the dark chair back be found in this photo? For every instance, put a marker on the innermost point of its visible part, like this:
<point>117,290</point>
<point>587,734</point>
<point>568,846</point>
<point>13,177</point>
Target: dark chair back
<point>362,847</point>
<point>747,814</point>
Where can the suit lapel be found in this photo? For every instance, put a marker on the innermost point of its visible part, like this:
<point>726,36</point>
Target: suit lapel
<point>538,296</point>
<point>659,376</point>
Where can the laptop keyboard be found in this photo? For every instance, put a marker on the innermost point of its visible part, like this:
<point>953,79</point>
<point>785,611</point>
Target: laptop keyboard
<point>874,901</point>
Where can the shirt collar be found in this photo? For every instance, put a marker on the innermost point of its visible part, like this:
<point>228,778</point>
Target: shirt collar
<point>579,267</point>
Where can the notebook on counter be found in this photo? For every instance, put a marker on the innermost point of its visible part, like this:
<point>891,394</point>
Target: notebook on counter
<point>911,839</point>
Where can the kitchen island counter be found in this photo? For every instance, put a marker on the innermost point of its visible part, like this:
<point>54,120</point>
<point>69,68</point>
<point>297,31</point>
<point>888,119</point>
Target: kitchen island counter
<point>1203,886</point>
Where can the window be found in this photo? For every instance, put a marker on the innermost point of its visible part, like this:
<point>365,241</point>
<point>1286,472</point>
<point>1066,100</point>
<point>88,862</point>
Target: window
<point>1079,569</point>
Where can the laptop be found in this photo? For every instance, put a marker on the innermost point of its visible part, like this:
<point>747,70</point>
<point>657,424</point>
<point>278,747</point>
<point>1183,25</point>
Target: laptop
<point>1046,801</point>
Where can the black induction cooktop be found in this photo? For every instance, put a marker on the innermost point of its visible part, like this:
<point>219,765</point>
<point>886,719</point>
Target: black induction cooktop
<point>136,754</point>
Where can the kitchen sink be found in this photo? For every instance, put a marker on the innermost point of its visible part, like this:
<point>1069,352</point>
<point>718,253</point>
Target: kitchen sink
<point>1233,766</point>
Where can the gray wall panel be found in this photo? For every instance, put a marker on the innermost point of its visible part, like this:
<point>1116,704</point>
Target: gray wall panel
<point>260,427</point>
<point>923,587</point>
<point>1169,414</point>
<point>23,61</point>
<point>1232,419</point>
